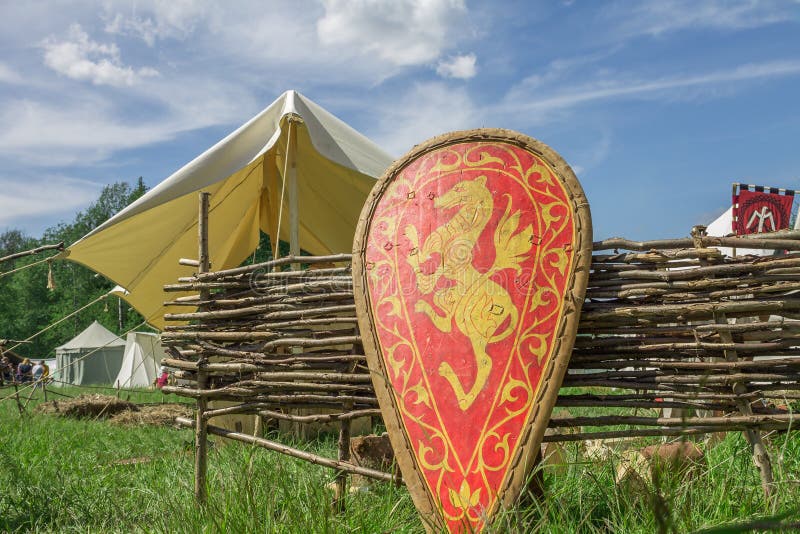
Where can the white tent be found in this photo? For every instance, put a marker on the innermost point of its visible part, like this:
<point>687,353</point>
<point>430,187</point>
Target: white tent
<point>92,357</point>
<point>294,171</point>
<point>723,226</point>
<point>142,359</point>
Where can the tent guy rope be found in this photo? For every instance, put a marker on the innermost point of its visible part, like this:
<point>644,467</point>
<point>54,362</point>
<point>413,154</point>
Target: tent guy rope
<point>48,327</point>
<point>29,265</point>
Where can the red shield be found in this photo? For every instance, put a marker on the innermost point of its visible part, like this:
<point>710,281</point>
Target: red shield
<point>467,255</point>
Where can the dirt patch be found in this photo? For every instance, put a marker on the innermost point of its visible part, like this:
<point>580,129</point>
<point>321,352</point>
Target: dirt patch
<point>87,406</point>
<point>159,414</point>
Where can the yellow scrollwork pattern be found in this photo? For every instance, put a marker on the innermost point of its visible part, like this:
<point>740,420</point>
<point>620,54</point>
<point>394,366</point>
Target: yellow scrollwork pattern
<point>476,305</point>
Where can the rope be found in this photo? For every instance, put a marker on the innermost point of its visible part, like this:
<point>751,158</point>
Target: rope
<point>81,358</point>
<point>283,191</point>
<point>45,329</point>
<point>6,273</point>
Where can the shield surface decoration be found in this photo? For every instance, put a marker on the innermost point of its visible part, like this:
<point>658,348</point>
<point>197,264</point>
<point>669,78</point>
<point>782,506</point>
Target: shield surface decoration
<point>470,262</point>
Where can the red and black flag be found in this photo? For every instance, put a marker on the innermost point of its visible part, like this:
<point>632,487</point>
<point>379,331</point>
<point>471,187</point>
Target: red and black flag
<point>758,209</point>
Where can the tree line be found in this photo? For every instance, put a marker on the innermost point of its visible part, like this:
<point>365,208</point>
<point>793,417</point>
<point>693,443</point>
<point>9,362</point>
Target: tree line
<point>28,306</point>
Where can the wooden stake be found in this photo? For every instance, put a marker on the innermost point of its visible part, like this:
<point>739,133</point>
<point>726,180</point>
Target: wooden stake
<point>30,396</point>
<point>201,445</point>
<point>57,246</point>
<point>16,396</point>
<point>734,187</point>
<point>760,454</point>
<point>340,489</point>
<point>201,423</point>
<point>202,234</point>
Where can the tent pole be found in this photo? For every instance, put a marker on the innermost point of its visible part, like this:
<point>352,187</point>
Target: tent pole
<point>294,215</point>
<point>201,425</point>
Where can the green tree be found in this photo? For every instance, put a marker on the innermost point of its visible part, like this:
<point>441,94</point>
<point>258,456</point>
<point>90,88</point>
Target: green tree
<point>27,306</point>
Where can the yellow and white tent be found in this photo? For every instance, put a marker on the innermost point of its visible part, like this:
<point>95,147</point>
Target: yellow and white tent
<point>292,169</point>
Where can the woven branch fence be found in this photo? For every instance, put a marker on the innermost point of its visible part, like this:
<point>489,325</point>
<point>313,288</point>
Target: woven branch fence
<point>688,340</point>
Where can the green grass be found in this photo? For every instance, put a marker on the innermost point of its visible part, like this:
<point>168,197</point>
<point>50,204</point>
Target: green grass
<point>60,475</point>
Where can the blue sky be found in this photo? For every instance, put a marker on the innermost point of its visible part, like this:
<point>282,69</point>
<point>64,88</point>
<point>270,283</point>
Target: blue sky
<point>657,105</point>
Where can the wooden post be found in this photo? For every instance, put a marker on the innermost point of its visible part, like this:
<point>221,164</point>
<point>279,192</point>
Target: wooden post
<point>44,389</point>
<point>30,396</point>
<point>340,489</point>
<point>733,195</point>
<point>201,424</point>
<point>202,235</point>
<point>201,444</point>
<point>760,454</point>
<point>16,396</point>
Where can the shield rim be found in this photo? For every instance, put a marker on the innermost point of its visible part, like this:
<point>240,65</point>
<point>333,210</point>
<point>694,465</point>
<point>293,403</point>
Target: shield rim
<point>555,368</point>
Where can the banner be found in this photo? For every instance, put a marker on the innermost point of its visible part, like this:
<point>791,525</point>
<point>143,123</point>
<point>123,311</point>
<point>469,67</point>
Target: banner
<point>758,209</point>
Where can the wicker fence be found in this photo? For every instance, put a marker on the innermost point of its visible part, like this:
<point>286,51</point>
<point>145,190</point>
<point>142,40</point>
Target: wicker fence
<point>701,343</point>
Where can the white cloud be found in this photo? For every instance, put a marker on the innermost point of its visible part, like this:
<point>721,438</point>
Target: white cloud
<point>144,28</point>
<point>44,195</point>
<point>176,19</point>
<point>403,32</point>
<point>593,155</point>
<point>315,41</point>
<point>89,130</point>
<point>81,58</point>
<point>8,75</point>
<point>533,98</point>
<point>665,16</point>
<point>76,133</point>
<point>458,67</point>
<point>560,68</point>
<point>428,109</point>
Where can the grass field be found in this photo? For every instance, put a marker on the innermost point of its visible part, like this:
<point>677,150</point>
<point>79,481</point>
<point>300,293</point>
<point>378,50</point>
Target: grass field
<point>63,475</point>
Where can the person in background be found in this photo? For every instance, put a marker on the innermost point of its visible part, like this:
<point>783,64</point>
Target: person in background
<point>6,371</point>
<point>24,371</point>
<point>46,374</point>
<point>37,371</point>
<point>162,379</point>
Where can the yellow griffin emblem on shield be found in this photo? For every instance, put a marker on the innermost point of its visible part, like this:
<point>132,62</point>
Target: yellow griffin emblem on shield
<point>477,305</point>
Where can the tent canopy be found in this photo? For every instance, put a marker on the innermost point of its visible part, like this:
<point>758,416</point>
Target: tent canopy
<point>92,357</point>
<point>94,336</point>
<point>251,175</point>
<point>142,359</point>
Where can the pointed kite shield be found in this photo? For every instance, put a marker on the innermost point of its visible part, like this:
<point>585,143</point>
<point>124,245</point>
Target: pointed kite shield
<point>471,261</point>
